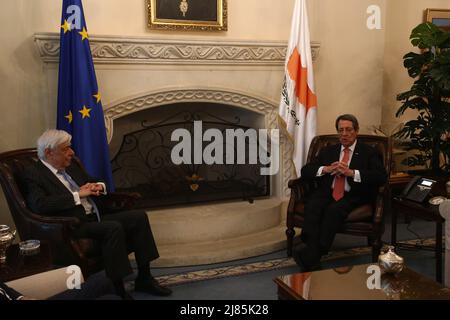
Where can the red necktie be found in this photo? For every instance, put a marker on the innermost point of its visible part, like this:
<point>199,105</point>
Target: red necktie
<point>339,181</point>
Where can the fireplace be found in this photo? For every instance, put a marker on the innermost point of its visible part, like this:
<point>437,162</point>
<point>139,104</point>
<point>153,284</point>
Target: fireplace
<point>143,148</point>
<point>144,83</point>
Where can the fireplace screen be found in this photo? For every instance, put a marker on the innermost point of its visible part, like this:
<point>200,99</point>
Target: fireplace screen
<point>144,164</point>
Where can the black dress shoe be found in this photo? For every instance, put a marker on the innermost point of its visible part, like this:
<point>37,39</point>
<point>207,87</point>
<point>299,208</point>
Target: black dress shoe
<point>151,286</point>
<point>299,262</point>
<point>300,246</point>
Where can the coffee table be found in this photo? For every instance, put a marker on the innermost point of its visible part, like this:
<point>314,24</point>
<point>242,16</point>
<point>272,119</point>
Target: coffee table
<point>350,283</point>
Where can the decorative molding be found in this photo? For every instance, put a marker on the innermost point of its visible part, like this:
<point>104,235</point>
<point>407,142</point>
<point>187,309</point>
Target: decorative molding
<point>131,105</point>
<point>176,95</point>
<point>127,50</point>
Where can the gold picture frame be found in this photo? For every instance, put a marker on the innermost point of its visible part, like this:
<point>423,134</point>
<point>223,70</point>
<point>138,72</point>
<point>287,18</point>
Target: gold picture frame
<point>439,17</point>
<point>204,15</point>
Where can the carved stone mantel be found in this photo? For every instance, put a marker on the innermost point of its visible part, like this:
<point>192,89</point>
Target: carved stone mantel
<point>132,50</point>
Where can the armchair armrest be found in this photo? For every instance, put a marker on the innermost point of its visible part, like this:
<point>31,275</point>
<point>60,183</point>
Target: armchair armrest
<point>300,188</point>
<point>380,202</point>
<point>66,222</point>
<point>118,201</point>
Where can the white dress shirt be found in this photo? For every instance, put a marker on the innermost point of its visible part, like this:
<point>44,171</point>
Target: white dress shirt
<point>356,177</point>
<point>76,196</point>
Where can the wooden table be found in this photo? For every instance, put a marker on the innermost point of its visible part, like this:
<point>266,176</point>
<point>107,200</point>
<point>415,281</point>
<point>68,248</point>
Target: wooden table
<point>350,283</point>
<point>18,265</point>
<point>423,211</point>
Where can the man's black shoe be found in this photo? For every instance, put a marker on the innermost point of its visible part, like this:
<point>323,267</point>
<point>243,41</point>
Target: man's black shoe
<point>151,286</point>
<point>299,262</point>
<point>299,247</point>
<point>304,267</point>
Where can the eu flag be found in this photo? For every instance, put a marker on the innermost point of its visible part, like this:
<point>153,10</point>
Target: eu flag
<point>80,111</point>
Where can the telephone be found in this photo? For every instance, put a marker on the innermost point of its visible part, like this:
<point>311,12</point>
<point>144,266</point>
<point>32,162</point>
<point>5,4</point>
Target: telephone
<point>418,189</point>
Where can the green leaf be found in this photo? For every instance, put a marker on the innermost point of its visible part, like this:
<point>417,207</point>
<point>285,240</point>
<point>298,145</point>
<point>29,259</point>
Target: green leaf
<point>415,62</point>
<point>426,36</point>
<point>443,40</point>
<point>441,76</point>
<point>415,103</point>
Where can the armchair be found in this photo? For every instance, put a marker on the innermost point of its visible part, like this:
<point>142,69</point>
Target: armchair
<point>65,249</point>
<point>367,220</point>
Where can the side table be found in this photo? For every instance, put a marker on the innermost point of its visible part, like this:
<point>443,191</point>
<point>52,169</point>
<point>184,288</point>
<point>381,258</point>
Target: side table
<point>18,265</point>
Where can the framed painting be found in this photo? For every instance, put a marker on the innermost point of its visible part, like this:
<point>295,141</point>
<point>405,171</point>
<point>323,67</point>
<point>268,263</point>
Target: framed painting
<point>206,15</point>
<point>439,17</point>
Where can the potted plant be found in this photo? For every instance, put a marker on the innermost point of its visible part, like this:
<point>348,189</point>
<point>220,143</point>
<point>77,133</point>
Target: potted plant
<point>428,135</point>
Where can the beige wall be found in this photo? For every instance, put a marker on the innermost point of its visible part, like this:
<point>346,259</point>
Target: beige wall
<point>349,70</point>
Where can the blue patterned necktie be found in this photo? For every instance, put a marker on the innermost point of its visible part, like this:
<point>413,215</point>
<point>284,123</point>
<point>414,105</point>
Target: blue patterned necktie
<point>75,188</point>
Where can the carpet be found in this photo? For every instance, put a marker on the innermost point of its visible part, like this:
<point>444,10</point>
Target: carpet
<point>274,264</point>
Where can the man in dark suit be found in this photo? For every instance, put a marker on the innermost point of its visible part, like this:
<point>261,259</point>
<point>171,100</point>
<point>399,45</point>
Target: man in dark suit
<point>348,176</point>
<point>56,185</point>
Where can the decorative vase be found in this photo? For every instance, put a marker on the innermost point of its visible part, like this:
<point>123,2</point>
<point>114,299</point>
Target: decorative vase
<point>6,239</point>
<point>390,262</point>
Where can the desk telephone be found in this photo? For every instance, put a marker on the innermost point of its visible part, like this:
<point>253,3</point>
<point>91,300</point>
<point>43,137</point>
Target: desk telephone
<point>418,189</point>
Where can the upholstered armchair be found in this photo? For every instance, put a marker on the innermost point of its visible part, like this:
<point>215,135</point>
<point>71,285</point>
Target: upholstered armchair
<point>366,221</point>
<point>56,230</point>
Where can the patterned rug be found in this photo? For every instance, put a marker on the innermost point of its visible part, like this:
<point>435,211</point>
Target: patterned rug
<point>274,264</point>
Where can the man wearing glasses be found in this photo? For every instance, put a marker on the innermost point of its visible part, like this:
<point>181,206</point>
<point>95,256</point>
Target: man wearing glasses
<point>348,176</point>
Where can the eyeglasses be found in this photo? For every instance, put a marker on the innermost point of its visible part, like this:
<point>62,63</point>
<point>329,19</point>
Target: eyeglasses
<point>344,130</point>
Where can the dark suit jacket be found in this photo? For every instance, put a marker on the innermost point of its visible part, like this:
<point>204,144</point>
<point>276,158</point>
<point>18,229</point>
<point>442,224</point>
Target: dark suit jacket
<point>365,159</point>
<point>45,194</point>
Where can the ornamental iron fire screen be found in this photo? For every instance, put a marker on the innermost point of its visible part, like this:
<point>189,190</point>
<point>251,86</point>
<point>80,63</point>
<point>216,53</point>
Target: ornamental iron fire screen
<point>143,164</point>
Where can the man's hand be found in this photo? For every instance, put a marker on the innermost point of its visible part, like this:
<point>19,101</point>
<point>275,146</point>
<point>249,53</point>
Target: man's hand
<point>342,169</point>
<point>338,168</point>
<point>90,189</point>
<point>331,169</point>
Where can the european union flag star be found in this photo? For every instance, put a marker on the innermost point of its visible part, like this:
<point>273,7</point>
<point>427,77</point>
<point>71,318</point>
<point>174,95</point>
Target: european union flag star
<point>69,117</point>
<point>84,34</point>
<point>98,97</point>
<point>66,26</point>
<point>85,112</point>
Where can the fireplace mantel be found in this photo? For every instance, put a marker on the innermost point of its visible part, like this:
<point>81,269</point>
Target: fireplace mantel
<point>132,50</point>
